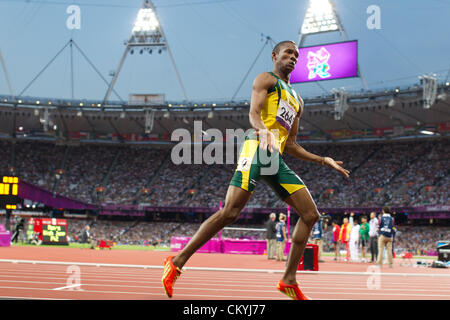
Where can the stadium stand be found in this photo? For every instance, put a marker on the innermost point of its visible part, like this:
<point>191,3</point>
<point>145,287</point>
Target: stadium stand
<point>413,173</point>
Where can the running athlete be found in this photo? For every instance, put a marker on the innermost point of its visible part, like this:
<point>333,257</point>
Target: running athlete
<point>275,112</point>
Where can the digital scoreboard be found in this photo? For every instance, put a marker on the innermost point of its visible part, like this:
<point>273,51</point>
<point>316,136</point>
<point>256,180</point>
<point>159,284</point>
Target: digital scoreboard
<point>51,231</point>
<point>9,190</point>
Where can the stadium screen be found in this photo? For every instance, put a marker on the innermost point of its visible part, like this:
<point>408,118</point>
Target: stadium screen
<point>54,231</point>
<point>326,62</point>
<point>9,190</point>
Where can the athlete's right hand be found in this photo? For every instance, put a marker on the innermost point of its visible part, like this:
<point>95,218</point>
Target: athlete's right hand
<point>267,140</point>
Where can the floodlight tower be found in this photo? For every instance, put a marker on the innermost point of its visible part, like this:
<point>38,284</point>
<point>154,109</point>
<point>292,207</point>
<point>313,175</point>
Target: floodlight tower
<point>321,17</point>
<point>148,35</point>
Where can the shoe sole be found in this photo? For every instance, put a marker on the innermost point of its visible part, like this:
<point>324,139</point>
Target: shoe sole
<point>167,294</point>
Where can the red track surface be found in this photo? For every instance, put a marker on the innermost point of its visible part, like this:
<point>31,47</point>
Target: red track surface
<point>39,281</point>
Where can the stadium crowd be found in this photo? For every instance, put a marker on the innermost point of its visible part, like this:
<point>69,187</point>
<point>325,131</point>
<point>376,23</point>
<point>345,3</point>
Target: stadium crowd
<point>395,174</point>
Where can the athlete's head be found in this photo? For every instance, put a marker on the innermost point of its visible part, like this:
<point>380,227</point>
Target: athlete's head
<point>387,210</point>
<point>345,220</point>
<point>373,215</point>
<point>282,217</point>
<point>285,56</point>
<point>363,219</point>
<point>273,216</point>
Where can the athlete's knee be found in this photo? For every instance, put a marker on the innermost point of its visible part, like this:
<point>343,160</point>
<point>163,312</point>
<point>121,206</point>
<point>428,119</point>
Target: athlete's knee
<point>310,217</point>
<point>231,213</point>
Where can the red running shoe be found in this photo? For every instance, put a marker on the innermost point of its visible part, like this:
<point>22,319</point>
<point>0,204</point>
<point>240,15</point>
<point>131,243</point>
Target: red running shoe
<point>170,275</point>
<point>292,291</point>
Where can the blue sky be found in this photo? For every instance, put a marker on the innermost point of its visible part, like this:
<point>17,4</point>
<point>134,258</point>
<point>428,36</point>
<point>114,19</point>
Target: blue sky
<point>214,42</point>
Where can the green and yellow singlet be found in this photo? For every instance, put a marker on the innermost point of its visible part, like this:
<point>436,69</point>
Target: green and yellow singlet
<point>280,109</point>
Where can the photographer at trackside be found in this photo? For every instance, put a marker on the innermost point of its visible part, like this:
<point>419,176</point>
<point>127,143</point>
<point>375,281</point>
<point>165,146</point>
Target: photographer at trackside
<point>317,232</point>
<point>386,237</point>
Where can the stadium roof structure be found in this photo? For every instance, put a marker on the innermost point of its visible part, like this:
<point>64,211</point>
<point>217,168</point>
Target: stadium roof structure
<point>366,111</point>
<point>147,34</point>
<point>418,106</point>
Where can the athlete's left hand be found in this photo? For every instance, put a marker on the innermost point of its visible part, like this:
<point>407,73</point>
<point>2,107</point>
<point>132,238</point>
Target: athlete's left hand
<point>336,165</point>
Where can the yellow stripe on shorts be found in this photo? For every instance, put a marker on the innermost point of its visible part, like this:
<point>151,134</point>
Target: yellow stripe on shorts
<point>248,152</point>
<point>291,188</point>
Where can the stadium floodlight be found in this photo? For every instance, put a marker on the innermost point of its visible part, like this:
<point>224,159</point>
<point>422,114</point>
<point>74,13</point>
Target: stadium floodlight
<point>149,120</point>
<point>147,34</point>
<point>146,31</point>
<point>340,103</point>
<point>429,90</point>
<point>146,21</point>
<point>320,17</point>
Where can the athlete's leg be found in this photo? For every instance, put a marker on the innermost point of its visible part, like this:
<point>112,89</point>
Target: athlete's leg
<point>305,207</point>
<point>235,201</point>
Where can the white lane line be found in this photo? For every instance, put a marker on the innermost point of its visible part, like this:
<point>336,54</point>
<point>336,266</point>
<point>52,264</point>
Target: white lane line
<point>222,281</point>
<point>194,275</point>
<point>185,286</point>
<point>70,287</point>
<point>30,298</point>
<point>311,285</point>
<point>223,269</point>
<point>209,297</point>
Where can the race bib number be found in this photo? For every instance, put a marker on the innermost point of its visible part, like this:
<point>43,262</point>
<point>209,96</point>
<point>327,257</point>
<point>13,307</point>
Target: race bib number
<point>286,115</point>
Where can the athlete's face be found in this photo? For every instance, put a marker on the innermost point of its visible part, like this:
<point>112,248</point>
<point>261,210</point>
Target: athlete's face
<point>286,59</point>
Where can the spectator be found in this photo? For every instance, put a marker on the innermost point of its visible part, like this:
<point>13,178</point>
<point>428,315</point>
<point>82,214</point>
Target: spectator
<point>335,239</point>
<point>344,237</point>
<point>373,236</point>
<point>86,237</point>
<point>386,237</point>
<point>364,237</point>
<point>354,241</point>
<point>271,236</point>
<point>281,237</point>
<point>317,232</point>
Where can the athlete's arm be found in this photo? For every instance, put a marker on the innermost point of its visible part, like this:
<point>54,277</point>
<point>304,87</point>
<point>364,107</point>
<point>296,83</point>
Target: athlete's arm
<point>262,83</point>
<point>294,149</point>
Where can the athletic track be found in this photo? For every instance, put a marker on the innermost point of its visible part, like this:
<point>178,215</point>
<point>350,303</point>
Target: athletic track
<point>45,273</point>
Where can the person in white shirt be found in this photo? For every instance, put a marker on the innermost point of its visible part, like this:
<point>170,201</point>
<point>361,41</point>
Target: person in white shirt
<point>373,236</point>
<point>354,241</point>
